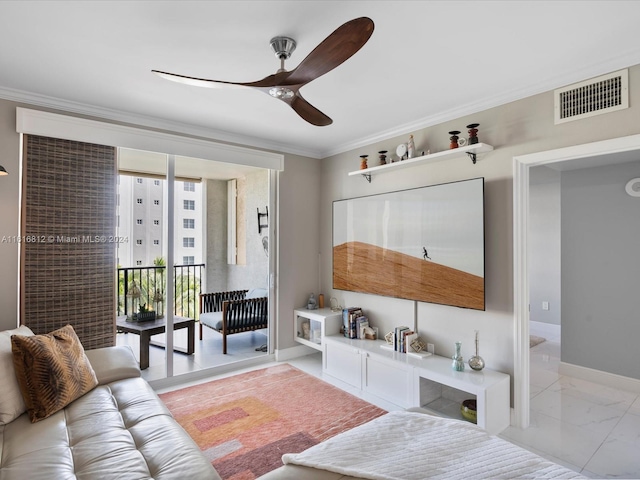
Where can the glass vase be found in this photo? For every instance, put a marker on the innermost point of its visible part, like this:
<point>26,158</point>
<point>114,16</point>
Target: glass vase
<point>476,362</point>
<point>458,361</point>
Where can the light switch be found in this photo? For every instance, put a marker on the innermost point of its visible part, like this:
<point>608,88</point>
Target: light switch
<point>545,305</point>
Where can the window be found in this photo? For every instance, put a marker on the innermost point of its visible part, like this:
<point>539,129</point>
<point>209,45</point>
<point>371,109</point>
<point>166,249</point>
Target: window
<point>138,242</point>
<point>188,242</point>
<point>139,221</point>
<point>188,223</point>
<point>156,222</point>
<point>156,182</point>
<point>139,200</point>
<point>189,260</point>
<point>189,204</point>
<point>156,202</point>
<point>156,242</point>
<point>138,262</point>
<point>189,187</point>
<point>139,180</point>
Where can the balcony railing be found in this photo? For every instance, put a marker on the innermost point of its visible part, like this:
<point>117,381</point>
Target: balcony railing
<point>152,284</point>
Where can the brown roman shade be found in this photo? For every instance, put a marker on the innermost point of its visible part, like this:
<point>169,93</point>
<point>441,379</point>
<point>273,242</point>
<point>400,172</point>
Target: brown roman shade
<point>68,263</point>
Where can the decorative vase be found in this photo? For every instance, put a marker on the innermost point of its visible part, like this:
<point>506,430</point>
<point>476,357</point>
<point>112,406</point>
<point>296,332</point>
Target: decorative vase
<point>458,361</point>
<point>454,138</point>
<point>383,157</point>
<point>473,133</point>
<point>476,362</point>
<point>411,148</point>
<point>363,162</point>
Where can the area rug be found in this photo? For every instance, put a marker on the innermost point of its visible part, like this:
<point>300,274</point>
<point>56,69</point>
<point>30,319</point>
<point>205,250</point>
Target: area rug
<point>245,423</point>
<point>535,340</point>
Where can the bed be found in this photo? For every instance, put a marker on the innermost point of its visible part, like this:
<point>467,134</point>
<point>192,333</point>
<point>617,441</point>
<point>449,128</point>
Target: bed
<point>412,445</point>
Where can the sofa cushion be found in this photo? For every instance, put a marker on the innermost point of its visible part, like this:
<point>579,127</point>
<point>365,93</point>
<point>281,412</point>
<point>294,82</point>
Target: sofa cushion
<point>11,401</point>
<point>52,371</point>
<point>256,293</point>
<point>120,430</point>
<point>212,320</point>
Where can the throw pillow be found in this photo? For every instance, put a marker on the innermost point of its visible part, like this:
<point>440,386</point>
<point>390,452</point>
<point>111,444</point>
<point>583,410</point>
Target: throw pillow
<point>11,401</point>
<point>52,371</point>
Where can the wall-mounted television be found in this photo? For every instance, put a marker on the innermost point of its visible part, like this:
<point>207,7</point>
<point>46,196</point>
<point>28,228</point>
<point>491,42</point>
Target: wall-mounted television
<point>424,244</point>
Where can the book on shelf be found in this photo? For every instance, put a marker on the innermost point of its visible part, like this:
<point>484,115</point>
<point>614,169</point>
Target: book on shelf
<point>362,322</point>
<point>349,316</point>
<point>398,338</point>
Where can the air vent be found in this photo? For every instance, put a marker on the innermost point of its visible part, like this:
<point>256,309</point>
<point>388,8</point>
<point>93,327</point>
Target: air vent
<point>604,94</point>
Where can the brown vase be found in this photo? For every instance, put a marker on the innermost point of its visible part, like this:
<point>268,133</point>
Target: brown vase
<point>454,138</point>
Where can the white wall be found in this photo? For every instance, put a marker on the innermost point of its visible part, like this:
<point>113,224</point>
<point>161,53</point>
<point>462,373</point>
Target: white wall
<point>600,265</point>
<point>544,245</point>
<point>518,128</point>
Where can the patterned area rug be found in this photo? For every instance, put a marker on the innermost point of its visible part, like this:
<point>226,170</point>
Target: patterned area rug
<point>245,423</point>
<point>535,340</point>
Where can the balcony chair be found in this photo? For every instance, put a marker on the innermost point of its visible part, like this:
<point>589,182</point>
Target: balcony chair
<point>234,312</point>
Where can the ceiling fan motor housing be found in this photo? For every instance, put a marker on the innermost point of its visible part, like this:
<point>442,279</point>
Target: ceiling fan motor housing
<point>283,47</point>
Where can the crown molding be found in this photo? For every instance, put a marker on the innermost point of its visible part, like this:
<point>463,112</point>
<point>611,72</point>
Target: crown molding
<point>624,60</point>
<point>66,106</point>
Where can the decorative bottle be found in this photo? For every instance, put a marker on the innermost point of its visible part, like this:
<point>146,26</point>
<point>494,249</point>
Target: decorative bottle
<point>476,362</point>
<point>411,148</point>
<point>458,361</point>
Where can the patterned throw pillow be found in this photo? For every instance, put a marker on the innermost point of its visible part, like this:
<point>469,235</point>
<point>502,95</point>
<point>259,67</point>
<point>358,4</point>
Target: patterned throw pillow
<point>52,371</point>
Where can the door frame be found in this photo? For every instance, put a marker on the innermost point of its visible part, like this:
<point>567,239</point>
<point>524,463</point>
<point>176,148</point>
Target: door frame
<point>583,153</point>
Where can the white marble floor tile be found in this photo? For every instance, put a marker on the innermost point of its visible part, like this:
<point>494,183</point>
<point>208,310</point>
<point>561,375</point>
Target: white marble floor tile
<point>541,377</point>
<point>594,392</point>
<point>569,443</point>
<point>635,406</point>
<point>615,459</point>
<point>628,430</point>
<point>576,411</point>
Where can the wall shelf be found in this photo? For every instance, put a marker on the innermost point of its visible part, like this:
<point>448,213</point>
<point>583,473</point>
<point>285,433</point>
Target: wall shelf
<point>470,150</point>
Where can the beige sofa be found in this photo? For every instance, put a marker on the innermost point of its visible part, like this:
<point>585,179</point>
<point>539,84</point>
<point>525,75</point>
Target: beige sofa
<point>120,429</point>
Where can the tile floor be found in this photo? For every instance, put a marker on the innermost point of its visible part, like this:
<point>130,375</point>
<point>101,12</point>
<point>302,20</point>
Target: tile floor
<point>590,428</point>
<point>208,351</point>
<point>584,426</point>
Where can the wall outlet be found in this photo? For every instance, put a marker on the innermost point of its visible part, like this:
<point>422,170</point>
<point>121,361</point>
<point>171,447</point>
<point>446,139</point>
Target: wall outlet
<point>545,305</point>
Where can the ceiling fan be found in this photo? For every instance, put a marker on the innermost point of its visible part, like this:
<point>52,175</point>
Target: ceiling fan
<point>284,85</point>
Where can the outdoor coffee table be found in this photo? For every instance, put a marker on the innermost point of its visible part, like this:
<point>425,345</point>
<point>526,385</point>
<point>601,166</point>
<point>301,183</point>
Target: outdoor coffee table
<point>147,329</point>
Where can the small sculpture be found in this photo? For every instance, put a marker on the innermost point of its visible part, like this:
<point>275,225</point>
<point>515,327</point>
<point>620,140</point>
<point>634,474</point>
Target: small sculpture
<point>311,303</point>
<point>473,133</point>
<point>454,138</point>
<point>418,345</point>
<point>363,162</point>
<point>411,148</point>
<point>305,330</point>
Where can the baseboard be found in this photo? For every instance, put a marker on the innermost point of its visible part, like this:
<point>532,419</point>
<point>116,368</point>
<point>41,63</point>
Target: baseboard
<point>293,352</point>
<point>209,373</point>
<point>545,329</point>
<point>598,376</point>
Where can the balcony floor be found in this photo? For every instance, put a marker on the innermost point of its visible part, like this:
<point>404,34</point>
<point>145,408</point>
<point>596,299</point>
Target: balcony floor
<point>208,351</point>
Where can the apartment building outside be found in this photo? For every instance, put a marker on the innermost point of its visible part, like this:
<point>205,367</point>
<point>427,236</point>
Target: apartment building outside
<point>141,222</point>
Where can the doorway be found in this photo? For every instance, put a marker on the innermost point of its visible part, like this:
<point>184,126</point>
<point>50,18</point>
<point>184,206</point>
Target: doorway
<point>620,150</point>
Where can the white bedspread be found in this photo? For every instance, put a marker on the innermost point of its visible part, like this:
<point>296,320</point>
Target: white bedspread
<point>415,446</point>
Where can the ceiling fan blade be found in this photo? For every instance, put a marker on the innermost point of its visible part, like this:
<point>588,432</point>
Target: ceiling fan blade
<point>345,41</point>
<point>199,82</point>
<point>307,111</point>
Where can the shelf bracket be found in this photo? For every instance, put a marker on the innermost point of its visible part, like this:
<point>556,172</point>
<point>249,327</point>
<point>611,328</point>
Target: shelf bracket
<point>472,156</point>
<point>367,176</point>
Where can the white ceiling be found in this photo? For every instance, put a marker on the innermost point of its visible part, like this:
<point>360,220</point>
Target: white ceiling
<point>427,62</point>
